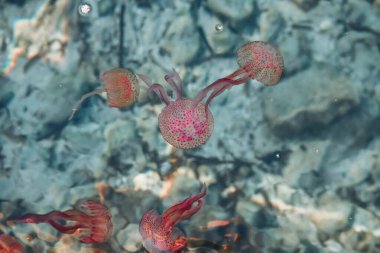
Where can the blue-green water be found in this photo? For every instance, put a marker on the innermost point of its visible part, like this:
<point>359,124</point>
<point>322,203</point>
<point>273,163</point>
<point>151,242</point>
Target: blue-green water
<point>291,167</point>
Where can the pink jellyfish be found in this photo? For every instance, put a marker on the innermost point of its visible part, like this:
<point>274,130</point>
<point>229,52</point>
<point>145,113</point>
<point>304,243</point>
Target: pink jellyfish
<point>182,124</point>
<point>121,86</point>
<point>257,60</point>
<point>187,123</point>
<point>91,223</point>
<point>160,234</point>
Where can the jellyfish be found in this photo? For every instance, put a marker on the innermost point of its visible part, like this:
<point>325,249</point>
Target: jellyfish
<point>257,60</point>
<point>91,223</point>
<point>8,244</point>
<point>121,86</point>
<point>188,123</point>
<point>160,234</point>
<point>182,124</point>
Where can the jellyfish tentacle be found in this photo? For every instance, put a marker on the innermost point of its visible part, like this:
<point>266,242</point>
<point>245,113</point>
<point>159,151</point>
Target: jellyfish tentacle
<point>244,77</point>
<point>84,97</point>
<point>40,218</point>
<point>62,228</point>
<point>159,89</point>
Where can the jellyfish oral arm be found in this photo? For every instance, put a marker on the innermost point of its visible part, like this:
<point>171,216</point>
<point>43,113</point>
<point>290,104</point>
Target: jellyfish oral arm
<point>156,87</point>
<point>184,209</point>
<point>91,224</point>
<point>176,82</point>
<point>53,219</point>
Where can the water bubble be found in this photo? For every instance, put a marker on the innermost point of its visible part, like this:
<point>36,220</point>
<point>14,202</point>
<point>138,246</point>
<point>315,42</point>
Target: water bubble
<point>84,9</point>
<point>219,27</point>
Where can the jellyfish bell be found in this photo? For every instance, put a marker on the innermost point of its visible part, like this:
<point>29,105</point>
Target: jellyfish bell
<point>261,61</point>
<point>181,124</point>
<point>121,86</point>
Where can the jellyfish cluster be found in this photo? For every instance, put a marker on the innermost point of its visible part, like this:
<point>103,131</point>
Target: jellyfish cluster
<point>188,123</point>
<point>185,124</point>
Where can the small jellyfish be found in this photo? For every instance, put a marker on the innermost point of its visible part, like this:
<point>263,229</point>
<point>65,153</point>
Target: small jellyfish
<point>120,85</point>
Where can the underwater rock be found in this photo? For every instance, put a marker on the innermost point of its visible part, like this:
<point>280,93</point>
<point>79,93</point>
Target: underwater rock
<point>305,161</point>
<point>148,131</point>
<point>306,5</point>
<point>206,175</point>
<point>42,101</point>
<point>333,246</point>
<point>319,96</point>
<point>235,11</point>
<point>219,41</point>
<point>130,238</point>
<point>83,139</point>
<point>120,146</point>
<point>106,7</point>
<point>87,191</point>
<point>295,48</point>
<point>353,170</point>
<point>133,204</point>
<point>333,214</point>
<point>148,181</point>
<point>265,143</point>
<point>362,16</point>
<point>363,234</point>
<point>271,24</point>
<point>185,181</point>
<point>6,92</point>
<point>181,30</point>
<point>248,210</point>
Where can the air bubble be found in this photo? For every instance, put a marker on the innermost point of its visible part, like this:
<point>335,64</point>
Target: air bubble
<point>84,9</point>
<point>219,27</point>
